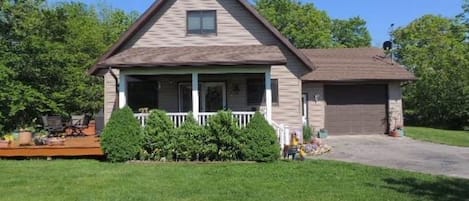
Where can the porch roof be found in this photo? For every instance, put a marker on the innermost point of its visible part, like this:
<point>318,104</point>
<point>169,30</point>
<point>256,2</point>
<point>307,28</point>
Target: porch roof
<point>354,64</point>
<point>196,56</point>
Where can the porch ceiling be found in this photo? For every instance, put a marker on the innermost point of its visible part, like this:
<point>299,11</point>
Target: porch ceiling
<point>196,56</point>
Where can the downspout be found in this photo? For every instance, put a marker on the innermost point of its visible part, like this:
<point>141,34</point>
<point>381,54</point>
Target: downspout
<point>117,87</point>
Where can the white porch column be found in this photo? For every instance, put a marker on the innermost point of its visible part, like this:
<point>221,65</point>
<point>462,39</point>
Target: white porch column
<point>268,94</point>
<point>195,95</point>
<point>122,90</point>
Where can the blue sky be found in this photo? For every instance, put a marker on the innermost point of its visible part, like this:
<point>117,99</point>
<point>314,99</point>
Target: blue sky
<point>379,14</point>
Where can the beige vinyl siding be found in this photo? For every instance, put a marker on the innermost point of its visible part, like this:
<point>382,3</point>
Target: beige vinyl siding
<point>235,26</point>
<point>109,94</point>
<point>396,114</point>
<point>316,109</point>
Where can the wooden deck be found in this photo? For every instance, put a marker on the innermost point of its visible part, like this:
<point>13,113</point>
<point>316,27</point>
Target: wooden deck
<point>74,146</point>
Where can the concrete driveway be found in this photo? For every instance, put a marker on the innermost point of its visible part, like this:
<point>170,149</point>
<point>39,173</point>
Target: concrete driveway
<point>402,153</point>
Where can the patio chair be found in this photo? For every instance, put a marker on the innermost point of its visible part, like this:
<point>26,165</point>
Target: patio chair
<point>79,123</point>
<point>54,125</point>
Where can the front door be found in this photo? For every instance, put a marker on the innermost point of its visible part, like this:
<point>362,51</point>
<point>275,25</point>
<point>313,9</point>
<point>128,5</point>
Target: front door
<point>213,96</point>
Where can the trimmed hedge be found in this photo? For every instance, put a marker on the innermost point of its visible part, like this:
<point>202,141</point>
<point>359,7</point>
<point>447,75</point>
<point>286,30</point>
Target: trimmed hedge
<point>158,135</point>
<point>221,140</point>
<point>122,138</point>
<point>224,136</point>
<point>260,141</point>
<point>190,142</point>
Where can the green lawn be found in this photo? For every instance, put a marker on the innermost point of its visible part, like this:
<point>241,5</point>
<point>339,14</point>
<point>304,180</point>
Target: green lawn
<point>455,138</point>
<point>309,180</point>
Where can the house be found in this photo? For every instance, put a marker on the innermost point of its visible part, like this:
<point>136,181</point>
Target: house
<point>207,55</point>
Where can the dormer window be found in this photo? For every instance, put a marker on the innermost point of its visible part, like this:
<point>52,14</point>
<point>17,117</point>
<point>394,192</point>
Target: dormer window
<point>201,22</point>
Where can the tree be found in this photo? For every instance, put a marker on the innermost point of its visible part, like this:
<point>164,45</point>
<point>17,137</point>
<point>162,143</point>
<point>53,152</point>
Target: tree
<point>48,50</point>
<point>435,49</point>
<point>303,24</point>
<point>308,27</point>
<point>350,33</point>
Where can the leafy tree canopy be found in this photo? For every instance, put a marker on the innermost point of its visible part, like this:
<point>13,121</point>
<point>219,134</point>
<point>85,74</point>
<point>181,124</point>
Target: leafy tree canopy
<point>435,49</point>
<point>47,49</point>
<point>308,27</point>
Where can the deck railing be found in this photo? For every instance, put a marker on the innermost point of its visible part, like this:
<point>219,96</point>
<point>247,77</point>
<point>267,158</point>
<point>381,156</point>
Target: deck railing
<point>242,118</point>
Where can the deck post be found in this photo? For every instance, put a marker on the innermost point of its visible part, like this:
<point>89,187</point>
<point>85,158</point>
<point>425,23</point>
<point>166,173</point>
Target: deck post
<point>122,90</point>
<point>195,95</point>
<point>268,94</point>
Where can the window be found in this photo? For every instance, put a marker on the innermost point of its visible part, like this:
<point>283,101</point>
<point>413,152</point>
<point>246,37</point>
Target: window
<point>142,94</point>
<point>256,91</point>
<point>202,22</point>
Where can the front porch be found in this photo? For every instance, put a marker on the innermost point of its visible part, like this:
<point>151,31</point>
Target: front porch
<point>203,92</point>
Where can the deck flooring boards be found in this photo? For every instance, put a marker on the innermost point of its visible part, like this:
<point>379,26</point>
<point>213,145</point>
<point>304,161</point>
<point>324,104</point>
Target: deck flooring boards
<point>74,146</point>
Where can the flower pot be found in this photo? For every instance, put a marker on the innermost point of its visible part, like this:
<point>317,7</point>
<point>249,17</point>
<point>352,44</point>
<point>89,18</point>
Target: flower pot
<point>25,138</point>
<point>4,143</point>
<point>395,133</point>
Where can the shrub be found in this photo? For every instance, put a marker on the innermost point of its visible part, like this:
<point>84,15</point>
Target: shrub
<point>223,137</point>
<point>260,141</point>
<point>158,135</point>
<point>122,138</point>
<point>190,140</point>
<point>307,133</point>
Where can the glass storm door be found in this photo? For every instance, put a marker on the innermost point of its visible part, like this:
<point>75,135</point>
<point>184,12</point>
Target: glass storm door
<point>213,96</point>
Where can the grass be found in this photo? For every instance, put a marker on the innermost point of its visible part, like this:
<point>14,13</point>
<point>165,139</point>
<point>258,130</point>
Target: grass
<point>455,138</point>
<point>308,180</point>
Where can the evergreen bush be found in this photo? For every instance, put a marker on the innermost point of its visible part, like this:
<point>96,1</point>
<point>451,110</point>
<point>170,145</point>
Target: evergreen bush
<point>260,141</point>
<point>122,138</point>
<point>223,137</point>
<point>158,135</point>
<point>190,140</point>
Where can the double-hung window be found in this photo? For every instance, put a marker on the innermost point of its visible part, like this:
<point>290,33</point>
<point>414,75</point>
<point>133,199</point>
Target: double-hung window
<point>201,22</point>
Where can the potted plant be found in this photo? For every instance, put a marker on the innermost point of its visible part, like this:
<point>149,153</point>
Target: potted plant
<point>25,136</point>
<point>6,140</point>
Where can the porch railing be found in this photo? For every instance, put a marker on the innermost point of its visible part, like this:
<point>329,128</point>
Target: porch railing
<point>242,118</point>
<point>283,134</point>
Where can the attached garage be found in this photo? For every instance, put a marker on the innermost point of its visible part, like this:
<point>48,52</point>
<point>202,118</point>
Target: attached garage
<point>354,91</point>
<point>356,109</point>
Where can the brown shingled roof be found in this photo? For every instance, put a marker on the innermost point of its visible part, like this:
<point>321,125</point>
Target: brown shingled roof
<point>196,56</point>
<point>354,64</point>
<point>155,7</point>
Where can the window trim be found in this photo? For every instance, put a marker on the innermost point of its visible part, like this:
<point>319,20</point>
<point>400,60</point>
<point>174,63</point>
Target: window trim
<point>201,23</point>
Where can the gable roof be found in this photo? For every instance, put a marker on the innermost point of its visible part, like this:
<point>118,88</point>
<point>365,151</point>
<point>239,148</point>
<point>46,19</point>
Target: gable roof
<point>354,64</point>
<point>157,5</point>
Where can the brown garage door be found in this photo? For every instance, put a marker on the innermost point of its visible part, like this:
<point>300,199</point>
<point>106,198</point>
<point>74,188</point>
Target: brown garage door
<point>356,109</point>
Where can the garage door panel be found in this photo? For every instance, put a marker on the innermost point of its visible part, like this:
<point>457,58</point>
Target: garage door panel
<point>356,109</point>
